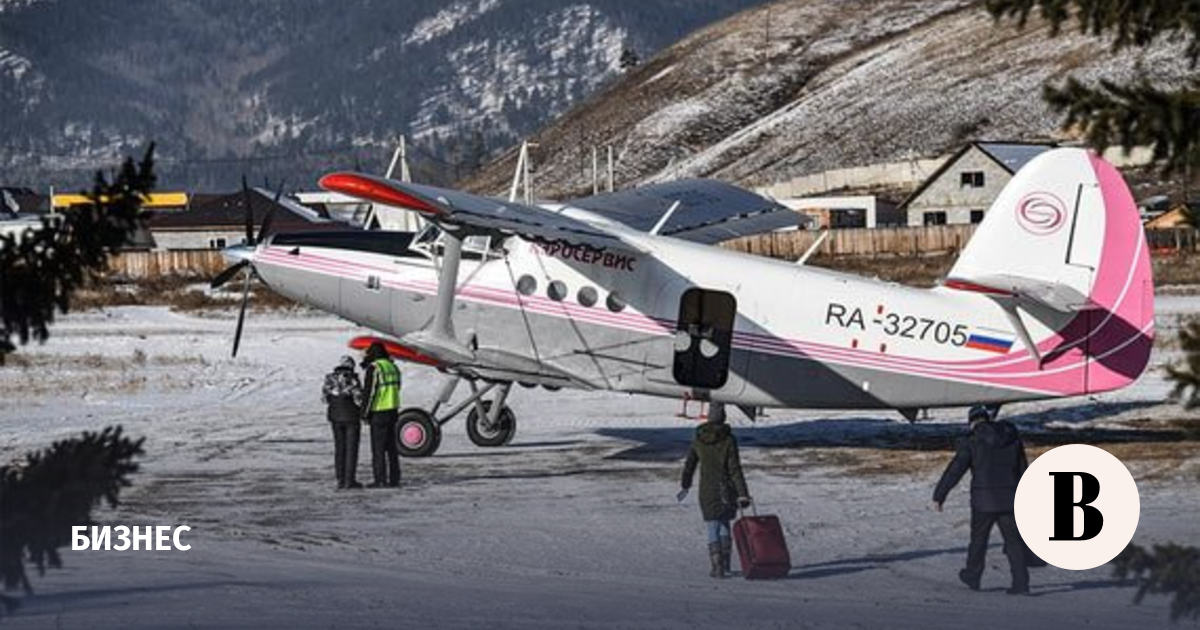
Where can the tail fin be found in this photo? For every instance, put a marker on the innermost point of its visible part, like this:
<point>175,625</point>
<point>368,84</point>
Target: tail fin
<point>1064,239</point>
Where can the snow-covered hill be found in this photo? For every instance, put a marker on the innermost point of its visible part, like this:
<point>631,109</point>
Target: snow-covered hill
<point>312,82</point>
<point>800,86</point>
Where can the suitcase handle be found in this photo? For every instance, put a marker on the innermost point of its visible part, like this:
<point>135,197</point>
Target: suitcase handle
<point>753,510</point>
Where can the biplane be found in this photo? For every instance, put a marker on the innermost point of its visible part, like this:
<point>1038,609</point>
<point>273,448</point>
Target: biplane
<point>628,292</point>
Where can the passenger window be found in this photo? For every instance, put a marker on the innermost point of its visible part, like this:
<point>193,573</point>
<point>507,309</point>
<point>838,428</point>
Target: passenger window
<point>526,284</point>
<point>615,303</point>
<point>557,290</point>
<point>587,296</point>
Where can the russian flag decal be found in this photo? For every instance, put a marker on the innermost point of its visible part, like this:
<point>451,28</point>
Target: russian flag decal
<point>991,344</point>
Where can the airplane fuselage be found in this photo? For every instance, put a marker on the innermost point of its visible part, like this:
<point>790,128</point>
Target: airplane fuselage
<point>669,317</point>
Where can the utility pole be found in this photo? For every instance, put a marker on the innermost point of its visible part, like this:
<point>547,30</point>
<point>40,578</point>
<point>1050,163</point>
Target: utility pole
<point>767,43</point>
<point>405,174</point>
<point>399,158</point>
<point>595,171</point>
<point>610,168</point>
<point>516,182</point>
<point>528,180</point>
<point>523,176</point>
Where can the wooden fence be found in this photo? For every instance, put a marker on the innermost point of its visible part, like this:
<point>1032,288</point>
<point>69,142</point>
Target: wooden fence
<point>913,241</point>
<point>1167,240</point>
<point>934,239</point>
<point>190,263</point>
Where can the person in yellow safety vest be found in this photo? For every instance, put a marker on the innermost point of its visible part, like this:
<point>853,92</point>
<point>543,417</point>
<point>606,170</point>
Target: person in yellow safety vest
<point>382,385</point>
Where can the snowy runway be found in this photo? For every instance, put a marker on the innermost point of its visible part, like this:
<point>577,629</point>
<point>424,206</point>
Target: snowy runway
<point>574,525</point>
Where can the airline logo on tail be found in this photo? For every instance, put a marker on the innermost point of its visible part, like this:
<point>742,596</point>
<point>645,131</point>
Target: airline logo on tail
<point>1041,213</point>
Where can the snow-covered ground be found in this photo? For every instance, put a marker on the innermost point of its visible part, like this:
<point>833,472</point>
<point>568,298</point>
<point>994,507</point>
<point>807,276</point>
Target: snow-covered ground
<point>574,525</point>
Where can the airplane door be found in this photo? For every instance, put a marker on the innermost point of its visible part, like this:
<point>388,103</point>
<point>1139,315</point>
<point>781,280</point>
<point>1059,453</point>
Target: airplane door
<point>703,338</point>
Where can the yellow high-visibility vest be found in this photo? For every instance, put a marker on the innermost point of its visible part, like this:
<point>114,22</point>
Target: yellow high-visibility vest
<point>386,386</point>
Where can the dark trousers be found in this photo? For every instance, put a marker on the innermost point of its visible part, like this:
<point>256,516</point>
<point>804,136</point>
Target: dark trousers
<point>345,452</point>
<point>385,453</point>
<point>1014,547</point>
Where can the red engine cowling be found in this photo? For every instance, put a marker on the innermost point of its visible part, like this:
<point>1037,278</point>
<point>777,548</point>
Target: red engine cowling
<point>394,350</point>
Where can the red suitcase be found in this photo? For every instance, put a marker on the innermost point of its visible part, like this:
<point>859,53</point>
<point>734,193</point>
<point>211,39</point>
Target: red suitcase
<point>761,548</point>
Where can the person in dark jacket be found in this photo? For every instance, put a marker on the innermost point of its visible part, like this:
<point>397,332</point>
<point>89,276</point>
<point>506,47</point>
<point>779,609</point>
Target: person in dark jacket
<point>722,487</point>
<point>342,393</point>
<point>382,406</point>
<point>996,458</point>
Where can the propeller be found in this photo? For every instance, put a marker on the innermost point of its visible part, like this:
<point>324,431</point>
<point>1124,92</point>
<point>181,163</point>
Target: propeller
<point>245,266</point>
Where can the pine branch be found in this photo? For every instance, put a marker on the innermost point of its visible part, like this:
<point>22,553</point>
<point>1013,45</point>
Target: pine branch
<point>1169,569</point>
<point>48,492</point>
<point>1132,116</point>
<point>40,269</point>
<point>1136,24</point>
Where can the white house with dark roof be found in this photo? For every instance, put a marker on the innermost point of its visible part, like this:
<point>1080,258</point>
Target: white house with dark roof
<point>964,187</point>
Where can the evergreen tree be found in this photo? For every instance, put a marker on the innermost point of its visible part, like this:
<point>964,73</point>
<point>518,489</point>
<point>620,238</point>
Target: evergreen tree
<point>43,495</point>
<point>40,269</point>
<point>1186,376</point>
<point>1169,568</point>
<point>1138,113</point>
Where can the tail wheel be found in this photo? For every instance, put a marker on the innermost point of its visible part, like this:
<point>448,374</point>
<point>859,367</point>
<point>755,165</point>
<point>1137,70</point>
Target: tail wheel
<point>485,433</point>
<point>417,434</point>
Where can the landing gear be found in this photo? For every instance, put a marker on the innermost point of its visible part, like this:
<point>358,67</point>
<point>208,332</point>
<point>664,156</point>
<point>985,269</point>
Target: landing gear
<point>489,422</point>
<point>486,431</point>
<point>417,433</point>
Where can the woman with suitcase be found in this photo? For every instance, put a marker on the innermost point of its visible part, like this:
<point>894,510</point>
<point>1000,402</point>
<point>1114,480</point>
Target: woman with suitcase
<point>722,486</point>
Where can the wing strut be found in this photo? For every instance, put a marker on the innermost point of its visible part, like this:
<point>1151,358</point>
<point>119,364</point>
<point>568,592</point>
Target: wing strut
<point>812,249</point>
<point>663,221</point>
<point>443,319</point>
<point>439,340</point>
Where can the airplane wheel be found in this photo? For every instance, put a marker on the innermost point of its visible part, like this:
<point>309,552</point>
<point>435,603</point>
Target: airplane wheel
<point>497,435</point>
<point>417,434</point>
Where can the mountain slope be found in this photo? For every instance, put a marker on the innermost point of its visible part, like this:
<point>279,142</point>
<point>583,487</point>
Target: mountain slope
<point>835,84</point>
<point>313,82</point>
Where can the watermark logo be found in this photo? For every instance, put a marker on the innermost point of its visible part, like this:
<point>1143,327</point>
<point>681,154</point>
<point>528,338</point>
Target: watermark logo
<point>1077,507</point>
<point>129,538</point>
<point>1041,213</point>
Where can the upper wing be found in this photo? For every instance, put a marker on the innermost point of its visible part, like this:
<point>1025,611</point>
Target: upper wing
<point>445,206</point>
<point>709,211</point>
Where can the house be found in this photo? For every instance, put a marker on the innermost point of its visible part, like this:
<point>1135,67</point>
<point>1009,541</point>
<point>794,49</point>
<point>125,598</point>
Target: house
<point>18,201</point>
<point>1179,216</point>
<point>850,211</point>
<point>23,209</point>
<point>160,201</point>
<point>219,221</point>
<point>964,187</point>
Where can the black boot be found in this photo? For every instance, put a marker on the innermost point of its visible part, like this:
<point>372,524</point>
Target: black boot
<point>714,556</point>
<point>972,581</point>
<point>726,556</point>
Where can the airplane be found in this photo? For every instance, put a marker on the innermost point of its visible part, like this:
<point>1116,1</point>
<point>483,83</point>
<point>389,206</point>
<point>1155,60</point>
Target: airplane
<point>627,292</point>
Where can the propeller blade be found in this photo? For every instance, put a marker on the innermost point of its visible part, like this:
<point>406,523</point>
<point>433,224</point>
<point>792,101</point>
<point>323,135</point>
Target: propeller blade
<point>228,273</point>
<point>237,335</point>
<point>249,212</point>
<point>265,228</point>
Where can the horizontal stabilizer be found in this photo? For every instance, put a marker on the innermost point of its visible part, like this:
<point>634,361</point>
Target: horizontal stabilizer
<point>1060,297</point>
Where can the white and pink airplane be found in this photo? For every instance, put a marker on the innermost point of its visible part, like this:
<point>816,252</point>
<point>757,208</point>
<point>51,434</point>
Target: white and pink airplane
<point>1052,297</point>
